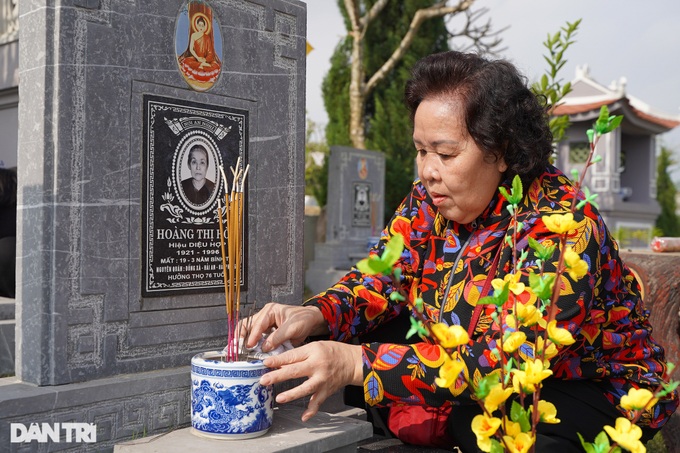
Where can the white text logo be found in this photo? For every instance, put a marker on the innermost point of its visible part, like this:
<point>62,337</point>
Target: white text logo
<point>72,432</point>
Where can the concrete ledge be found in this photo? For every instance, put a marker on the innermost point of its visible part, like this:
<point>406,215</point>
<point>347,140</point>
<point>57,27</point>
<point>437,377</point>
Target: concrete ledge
<point>324,432</point>
<point>7,328</point>
<point>123,407</point>
<point>7,308</point>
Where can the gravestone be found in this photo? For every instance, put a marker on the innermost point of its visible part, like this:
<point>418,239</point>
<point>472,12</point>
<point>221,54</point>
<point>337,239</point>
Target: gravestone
<point>118,285</point>
<point>354,214</point>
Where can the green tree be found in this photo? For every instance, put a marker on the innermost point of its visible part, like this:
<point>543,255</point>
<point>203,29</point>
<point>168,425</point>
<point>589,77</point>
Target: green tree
<point>389,127</point>
<point>316,175</point>
<point>667,221</point>
<point>371,65</point>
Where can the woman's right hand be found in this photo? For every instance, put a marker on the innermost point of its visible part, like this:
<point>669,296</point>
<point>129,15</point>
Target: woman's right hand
<point>290,322</point>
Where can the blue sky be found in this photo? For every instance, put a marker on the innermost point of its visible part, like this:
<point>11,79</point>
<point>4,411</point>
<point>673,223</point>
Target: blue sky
<point>617,38</point>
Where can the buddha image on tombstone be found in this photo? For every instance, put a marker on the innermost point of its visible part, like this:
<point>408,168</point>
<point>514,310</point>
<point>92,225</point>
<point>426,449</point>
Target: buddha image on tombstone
<point>185,145</point>
<point>198,44</point>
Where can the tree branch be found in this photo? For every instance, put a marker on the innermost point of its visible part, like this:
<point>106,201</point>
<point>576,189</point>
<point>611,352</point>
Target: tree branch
<point>438,10</point>
<point>482,36</point>
<point>375,10</point>
<point>352,8</point>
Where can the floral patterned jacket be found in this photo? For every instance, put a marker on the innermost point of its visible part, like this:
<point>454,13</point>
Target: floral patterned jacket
<point>447,265</point>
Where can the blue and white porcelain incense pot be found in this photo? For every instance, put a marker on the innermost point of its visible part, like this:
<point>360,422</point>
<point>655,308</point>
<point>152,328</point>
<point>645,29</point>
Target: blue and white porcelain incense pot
<point>227,399</point>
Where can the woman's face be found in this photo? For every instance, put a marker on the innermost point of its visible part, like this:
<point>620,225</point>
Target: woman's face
<point>198,164</point>
<point>459,177</point>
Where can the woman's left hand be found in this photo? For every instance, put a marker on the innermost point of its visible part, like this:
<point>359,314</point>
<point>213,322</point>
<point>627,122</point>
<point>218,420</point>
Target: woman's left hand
<point>328,366</point>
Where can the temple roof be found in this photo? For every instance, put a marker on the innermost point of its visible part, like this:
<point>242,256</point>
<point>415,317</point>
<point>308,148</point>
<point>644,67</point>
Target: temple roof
<point>587,96</point>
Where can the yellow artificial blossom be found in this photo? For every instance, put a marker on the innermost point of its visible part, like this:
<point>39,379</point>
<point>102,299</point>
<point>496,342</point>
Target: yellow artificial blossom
<point>550,351</point>
<point>627,435</point>
<point>560,223</point>
<point>516,287</point>
<point>511,428</point>
<point>484,427</point>
<point>576,267</point>
<point>521,443</point>
<point>528,378</point>
<point>449,372</point>
<point>514,341</point>
<point>497,396</point>
<point>547,412</point>
<point>558,335</point>
<point>527,314</point>
<point>638,399</point>
<point>450,336</point>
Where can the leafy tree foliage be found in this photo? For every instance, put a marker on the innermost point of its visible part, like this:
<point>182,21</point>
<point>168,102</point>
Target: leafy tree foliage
<point>667,221</point>
<point>385,124</point>
<point>316,175</point>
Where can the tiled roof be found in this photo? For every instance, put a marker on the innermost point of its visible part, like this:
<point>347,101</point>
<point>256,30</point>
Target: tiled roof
<point>572,109</point>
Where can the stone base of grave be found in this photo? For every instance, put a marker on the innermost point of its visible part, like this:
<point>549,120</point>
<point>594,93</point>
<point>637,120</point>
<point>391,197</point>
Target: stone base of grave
<point>331,262</point>
<point>135,408</point>
<point>324,432</point>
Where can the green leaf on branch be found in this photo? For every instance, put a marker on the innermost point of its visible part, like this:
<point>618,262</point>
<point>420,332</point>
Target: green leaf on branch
<point>485,385</point>
<point>590,198</point>
<point>519,415</point>
<point>418,305</point>
<point>417,328</point>
<point>590,133</point>
<point>606,123</point>
<point>542,252</point>
<point>542,286</point>
<point>515,195</point>
<point>667,388</point>
<point>396,296</point>
<point>383,265</point>
<point>496,447</point>
<point>587,446</point>
<point>498,298</point>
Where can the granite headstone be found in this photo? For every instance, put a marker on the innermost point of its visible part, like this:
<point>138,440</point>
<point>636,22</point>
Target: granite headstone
<point>94,344</point>
<point>354,214</point>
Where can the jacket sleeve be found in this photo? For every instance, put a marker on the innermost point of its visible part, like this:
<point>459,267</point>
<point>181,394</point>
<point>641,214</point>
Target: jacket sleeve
<point>359,303</point>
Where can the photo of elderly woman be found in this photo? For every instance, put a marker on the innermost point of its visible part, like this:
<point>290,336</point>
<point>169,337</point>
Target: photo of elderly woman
<point>198,188</point>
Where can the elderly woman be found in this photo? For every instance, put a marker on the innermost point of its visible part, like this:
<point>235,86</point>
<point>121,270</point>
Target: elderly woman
<point>475,126</point>
<point>198,188</point>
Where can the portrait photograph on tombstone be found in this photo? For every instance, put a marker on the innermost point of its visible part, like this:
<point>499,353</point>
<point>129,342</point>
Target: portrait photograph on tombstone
<point>199,185</point>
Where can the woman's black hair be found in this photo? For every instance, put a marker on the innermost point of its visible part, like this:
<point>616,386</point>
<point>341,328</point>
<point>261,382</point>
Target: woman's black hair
<point>502,115</point>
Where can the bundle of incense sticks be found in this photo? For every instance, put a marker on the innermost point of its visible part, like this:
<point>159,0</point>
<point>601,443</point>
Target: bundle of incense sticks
<point>231,253</point>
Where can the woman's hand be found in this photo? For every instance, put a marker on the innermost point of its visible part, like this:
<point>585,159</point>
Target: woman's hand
<point>328,366</point>
<point>291,322</point>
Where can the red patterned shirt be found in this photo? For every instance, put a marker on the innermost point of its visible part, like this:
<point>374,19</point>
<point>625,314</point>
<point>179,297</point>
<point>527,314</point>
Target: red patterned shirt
<point>603,310</point>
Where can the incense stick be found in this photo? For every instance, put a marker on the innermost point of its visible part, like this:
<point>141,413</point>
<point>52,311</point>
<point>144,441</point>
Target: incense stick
<point>231,254</point>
